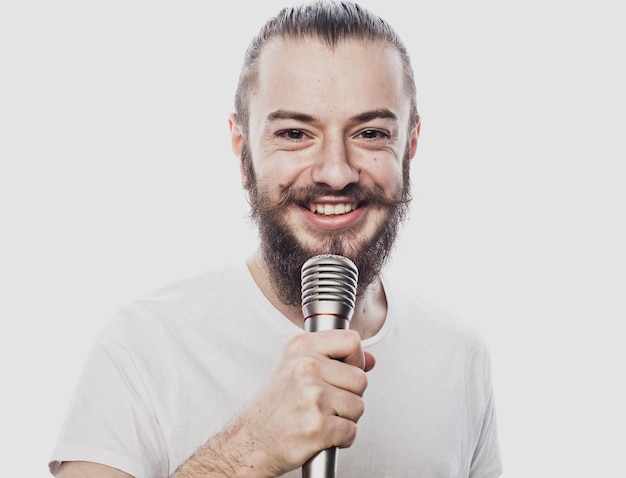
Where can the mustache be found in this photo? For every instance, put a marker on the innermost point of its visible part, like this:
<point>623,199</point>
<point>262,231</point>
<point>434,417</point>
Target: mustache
<point>306,195</point>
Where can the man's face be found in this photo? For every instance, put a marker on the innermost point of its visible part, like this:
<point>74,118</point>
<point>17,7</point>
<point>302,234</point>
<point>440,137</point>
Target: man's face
<point>323,159</point>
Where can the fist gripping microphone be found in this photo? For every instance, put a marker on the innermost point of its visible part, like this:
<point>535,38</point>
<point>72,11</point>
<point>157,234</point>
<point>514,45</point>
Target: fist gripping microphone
<point>329,284</point>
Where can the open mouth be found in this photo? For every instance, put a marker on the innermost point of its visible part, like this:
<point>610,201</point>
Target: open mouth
<point>326,209</point>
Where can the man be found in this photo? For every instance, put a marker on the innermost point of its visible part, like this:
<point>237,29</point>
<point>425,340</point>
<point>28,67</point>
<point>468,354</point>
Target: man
<point>215,377</point>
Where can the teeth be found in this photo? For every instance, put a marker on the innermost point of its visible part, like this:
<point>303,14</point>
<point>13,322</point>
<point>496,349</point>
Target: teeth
<point>331,209</point>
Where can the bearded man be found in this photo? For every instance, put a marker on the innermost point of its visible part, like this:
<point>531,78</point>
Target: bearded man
<point>214,376</point>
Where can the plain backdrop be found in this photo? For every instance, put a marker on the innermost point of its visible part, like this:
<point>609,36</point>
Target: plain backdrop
<point>116,177</point>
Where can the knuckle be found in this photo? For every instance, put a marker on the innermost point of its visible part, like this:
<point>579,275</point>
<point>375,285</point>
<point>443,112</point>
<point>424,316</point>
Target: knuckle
<point>360,381</point>
<point>296,344</point>
<point>306,367</point>
<point>314,424</point>
<point>354,339</point>
<point>348,434</point>
<point>359,408</point>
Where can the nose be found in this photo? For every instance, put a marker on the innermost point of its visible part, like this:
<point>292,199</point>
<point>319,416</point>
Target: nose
<point>333,167</point>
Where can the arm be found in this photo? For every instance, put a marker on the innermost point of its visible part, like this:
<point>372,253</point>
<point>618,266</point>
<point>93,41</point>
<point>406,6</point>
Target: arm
<point>311,402</point>
<point>83,469</point>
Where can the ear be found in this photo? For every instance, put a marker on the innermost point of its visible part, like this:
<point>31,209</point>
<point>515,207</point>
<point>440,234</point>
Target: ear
<point>414,137</point>
<point>236,135</point>
<point>236,144</point>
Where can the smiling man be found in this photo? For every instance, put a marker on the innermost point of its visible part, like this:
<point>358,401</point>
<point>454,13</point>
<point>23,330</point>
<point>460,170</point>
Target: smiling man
<point>214,376</point>
<point>331,130</point>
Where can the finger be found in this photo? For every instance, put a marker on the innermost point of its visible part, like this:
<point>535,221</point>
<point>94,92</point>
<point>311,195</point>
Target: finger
<point>343,376</point>
<point>340,432</point>
<point>340,344</point>
<point>370,361</point>
<point>327,400</point>
<point>346,405</point>
<point>336,426</point>
<point>344,345</point>
<point>353,354</point>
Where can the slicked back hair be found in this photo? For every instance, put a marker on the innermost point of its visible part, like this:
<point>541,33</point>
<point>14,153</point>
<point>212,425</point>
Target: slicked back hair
<point>327,21</point>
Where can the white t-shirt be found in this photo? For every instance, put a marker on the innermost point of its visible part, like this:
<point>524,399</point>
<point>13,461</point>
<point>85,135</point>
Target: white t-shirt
<point>172,368</point>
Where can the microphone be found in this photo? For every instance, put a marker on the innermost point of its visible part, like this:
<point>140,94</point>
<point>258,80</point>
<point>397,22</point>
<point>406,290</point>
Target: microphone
<point>329,284</point>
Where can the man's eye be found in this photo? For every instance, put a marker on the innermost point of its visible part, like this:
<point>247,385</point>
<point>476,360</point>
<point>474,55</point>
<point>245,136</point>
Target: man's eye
<point>373,134</point>
<point>292,134</point>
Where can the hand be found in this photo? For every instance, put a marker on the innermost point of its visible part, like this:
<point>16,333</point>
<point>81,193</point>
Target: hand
<point>312,401</point>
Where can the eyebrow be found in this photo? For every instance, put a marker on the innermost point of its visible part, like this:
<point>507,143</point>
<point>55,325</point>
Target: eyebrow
<point>293,115</point>
<point>383,113</point>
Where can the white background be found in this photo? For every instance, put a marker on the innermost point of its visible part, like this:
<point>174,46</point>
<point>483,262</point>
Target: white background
<point>116,177</point>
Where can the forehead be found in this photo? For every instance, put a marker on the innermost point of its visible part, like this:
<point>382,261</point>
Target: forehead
<point>310,76</point>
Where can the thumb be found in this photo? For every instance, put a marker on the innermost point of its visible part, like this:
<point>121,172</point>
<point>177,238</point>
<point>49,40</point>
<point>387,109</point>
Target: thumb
<point>370,361</point>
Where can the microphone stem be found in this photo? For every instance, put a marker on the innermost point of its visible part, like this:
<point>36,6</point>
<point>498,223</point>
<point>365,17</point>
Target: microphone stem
<point>324,463</point>
<point>321,465</point>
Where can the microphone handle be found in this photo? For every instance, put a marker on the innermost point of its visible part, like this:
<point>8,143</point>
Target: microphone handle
<point>324,463</point>
<point>321,465</point>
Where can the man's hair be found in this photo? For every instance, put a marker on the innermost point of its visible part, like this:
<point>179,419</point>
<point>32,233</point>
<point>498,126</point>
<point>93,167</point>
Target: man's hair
<point>330,22</point>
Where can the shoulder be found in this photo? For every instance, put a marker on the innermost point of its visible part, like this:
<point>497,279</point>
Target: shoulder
<point>186,306</point>
<point>222,282</point>
<point>432,323</point>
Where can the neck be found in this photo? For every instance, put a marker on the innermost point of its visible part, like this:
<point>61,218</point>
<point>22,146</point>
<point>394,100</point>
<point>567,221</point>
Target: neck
<point>369,312</point>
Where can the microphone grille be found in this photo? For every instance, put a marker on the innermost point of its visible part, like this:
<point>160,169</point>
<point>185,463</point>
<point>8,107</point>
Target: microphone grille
<point>329,284</point>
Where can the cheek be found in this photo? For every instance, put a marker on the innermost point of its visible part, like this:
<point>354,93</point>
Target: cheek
<point>383,171</point>
<point>282,168</point>
<point>277,175</point>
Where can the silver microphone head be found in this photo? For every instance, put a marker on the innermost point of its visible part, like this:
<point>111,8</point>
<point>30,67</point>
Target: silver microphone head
<point>329,284</point>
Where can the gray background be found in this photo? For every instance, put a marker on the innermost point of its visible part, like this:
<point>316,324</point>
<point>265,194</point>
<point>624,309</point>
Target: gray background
<point>116,177</point>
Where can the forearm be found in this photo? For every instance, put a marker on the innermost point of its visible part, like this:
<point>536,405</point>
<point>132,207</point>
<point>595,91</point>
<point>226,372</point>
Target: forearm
<point>234,452</point>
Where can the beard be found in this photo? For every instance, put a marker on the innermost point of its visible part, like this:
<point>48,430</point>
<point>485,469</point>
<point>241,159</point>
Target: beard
<point>284,255</point>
